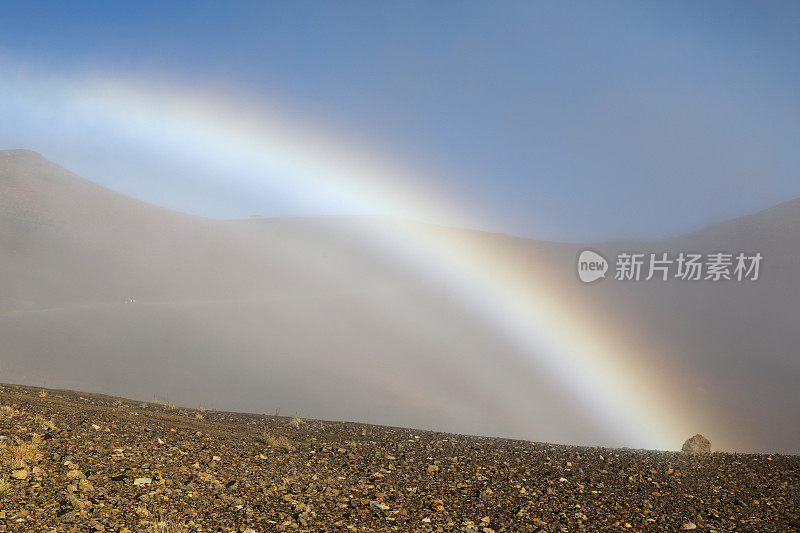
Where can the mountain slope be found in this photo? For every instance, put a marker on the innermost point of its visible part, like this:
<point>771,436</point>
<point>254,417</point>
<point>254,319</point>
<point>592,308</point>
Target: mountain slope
<point>102,292</point>
<point>301,315</point>
<point>222,471</point>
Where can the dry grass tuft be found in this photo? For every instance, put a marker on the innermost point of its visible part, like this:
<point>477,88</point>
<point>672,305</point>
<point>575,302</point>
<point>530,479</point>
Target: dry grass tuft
<point>295,422</point>
<point>19,455</point>
<point>165,404</point>
<point>42,393</point>
<point>44,423</point>
<point>8,411</point>
<point>5,486</point>
<point>277,443</point>
<point>168,526</point>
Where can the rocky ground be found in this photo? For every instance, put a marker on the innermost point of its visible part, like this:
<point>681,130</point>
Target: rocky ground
<point>82,462</point>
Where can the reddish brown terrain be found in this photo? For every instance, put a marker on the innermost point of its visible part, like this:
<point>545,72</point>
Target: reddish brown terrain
<point>74,461</point>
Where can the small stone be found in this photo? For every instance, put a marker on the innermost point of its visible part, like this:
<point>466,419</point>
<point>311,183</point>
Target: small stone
<point>142,481</point>
<point>378,506</point>
<point>432,469</point>
<point>20,473</point>
<point>689,525</point>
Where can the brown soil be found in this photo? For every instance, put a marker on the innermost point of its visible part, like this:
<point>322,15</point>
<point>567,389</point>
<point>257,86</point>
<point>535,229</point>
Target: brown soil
<point>111,464</point>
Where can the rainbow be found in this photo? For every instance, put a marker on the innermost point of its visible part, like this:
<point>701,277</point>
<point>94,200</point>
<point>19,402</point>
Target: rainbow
<point>592,365</point>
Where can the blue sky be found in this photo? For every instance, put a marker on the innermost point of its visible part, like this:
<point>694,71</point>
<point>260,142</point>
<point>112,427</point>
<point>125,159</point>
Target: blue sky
<point>561,120</point>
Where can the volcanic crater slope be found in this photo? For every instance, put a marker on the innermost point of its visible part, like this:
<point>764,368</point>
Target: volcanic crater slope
<point>337,317</point>
<point>83,462</point>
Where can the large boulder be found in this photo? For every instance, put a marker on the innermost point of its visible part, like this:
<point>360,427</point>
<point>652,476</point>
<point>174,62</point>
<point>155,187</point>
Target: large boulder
<point>697,444</point>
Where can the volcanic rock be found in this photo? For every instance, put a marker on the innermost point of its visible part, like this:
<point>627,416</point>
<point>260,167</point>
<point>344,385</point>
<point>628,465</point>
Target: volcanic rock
<point>337,478</point>
<point>697,444</point>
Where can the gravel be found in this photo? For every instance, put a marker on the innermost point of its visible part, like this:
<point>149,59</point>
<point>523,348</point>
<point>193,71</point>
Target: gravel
<point>111,464</point>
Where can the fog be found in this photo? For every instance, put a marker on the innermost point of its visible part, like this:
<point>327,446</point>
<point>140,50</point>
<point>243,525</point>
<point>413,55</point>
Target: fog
<point>104,293</point>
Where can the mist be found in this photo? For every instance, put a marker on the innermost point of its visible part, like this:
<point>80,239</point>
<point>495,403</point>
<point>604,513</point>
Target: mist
<point>335,318</point>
